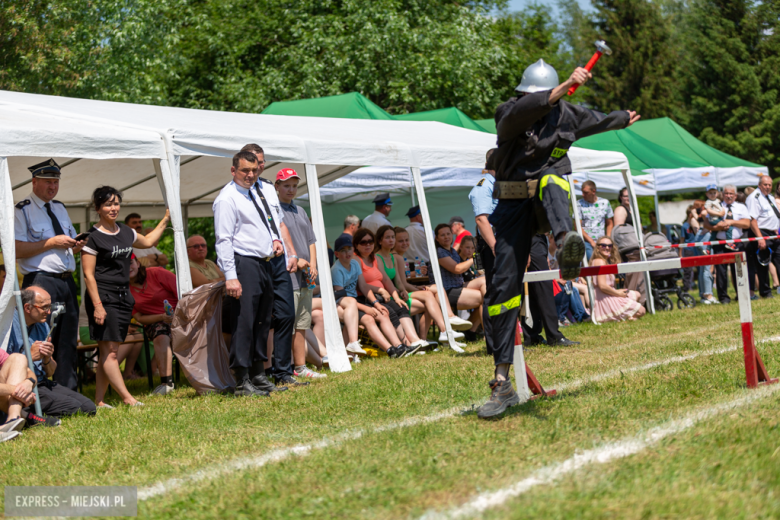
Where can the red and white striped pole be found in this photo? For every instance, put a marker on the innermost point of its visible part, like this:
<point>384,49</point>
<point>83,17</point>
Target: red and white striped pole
<point>715,242</point>
<point>755,372</point>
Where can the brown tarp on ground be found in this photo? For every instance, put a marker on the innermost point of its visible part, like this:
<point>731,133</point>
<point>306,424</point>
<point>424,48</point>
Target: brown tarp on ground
<point>196,333</point>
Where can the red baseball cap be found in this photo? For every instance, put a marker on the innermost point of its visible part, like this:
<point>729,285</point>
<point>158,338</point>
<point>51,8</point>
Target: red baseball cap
<point>286,173</point>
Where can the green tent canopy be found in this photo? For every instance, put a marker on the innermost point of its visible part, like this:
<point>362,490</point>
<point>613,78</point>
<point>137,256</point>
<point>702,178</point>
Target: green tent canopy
<point>642,153</point>
<point>487,124</point>
<point>450,116</point>
<point>672,136</point>
<point>346,106</point>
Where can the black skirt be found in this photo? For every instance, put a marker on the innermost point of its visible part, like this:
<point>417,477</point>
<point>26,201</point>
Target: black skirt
<point>118,304</point>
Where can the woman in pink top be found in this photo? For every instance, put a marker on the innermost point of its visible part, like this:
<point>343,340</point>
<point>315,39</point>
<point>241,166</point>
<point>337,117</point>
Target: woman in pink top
<point>381,284</point>
<point>612,304</point>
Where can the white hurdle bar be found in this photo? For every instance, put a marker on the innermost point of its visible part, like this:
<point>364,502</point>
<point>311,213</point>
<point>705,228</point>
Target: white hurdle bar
<point>755,372</point>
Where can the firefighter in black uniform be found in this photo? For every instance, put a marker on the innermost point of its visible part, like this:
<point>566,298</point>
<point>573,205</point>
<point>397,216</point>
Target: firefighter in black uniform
<point>535,131</point>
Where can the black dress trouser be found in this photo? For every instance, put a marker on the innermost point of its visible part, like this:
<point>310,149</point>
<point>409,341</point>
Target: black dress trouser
<point>541,298</point>
<point>65,338</point>
<point>283,317</point>
<point>722,272</point>
<point>755,268</point>
<point>249,317</point>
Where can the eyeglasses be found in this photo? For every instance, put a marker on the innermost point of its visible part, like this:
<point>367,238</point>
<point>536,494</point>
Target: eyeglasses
<point>366,243</point>
<point>44,308</point>
<point>197,246</point>
<point>605,246</point>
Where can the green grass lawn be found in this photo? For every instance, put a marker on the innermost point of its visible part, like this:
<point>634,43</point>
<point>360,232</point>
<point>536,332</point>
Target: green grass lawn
<point>369,466</point>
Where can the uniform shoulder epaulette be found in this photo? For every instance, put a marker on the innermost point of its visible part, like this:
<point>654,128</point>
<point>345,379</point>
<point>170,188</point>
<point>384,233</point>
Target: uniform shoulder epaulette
<point>58,202</point>
<point>265,181</point>
<point>481,182</point>
<point>23,203</point>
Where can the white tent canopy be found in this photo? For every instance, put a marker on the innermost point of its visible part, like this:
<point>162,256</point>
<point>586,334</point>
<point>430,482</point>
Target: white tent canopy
<point>190,154</point>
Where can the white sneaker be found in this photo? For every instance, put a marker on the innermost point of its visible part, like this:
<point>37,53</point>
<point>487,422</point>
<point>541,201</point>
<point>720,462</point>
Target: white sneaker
<point>163,389</point>
<point>7,436</point>
<point>456,335</point>
<point>459,323</point>
<point>355,348</point>
<point>706,301</point>
<point>307,372</point>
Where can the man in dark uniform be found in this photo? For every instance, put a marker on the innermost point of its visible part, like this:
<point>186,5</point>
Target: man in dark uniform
<point>45,248</point>
<point>535,131</point>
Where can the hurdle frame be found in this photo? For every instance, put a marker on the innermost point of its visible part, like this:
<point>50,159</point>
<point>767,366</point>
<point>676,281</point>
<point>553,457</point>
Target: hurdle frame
<point>755,371</point>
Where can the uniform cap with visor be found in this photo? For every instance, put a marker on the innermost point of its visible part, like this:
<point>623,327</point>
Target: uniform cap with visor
<point>538,77</point>
<point>45,170</point>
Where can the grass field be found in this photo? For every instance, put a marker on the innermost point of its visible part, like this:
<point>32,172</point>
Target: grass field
<point>652,420</point>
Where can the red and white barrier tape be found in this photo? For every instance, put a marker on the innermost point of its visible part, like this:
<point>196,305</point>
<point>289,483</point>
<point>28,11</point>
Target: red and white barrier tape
<point>716,242</point>
<point>639,267</point>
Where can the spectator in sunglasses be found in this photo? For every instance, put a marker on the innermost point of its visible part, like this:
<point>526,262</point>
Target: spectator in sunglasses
<point>202,269</point>
<point>612,304</point>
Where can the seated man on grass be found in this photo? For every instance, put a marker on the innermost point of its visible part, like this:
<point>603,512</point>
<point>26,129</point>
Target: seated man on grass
<point>56,400</point>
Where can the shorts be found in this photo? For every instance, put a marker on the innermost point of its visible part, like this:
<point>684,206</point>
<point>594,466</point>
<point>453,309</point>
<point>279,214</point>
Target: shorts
<point>118,304</point>
<point>157,329</point>
<point>396,311</point>
<point>453,295</point>
<point>302,301</point>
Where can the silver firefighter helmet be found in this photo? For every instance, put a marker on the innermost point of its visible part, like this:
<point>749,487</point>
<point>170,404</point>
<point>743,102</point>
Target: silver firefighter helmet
<point>538,77</point>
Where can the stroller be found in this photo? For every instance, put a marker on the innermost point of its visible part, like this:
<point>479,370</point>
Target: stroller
<point>665,282</point>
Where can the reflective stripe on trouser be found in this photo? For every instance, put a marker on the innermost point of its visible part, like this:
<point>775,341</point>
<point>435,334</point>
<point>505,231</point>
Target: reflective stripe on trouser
<point>515,222</point>
<point>488,262</point>
<point>554,204</point>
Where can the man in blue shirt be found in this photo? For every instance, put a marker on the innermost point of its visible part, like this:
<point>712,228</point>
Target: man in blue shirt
<point>56,400</point>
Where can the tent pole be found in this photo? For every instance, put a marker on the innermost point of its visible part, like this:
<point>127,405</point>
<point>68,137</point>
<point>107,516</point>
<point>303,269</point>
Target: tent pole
<point>578,225</point>
<point>83,227</point>
<point>26,340</point>
<point>185,213</point>
<point>8,246</point>
<point>411,191</point>
<point>638,230</point>
<point>167,171</point>
<point>657,208</point>
<point>433,256</point>
<point>334,341</point>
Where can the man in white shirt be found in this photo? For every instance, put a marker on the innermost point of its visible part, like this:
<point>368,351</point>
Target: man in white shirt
<point>596,216</point>
<point>765,221</point>
<point>281,368</point>
<point>737,218</point>
<point>149,257</point>
<point>245,246</point>
<point>382,208</point>
<point>418,247</point>
<point>45,248</point>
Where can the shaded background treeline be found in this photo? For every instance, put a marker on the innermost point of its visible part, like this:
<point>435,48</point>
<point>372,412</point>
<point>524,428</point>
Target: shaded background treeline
<point>712,65</point>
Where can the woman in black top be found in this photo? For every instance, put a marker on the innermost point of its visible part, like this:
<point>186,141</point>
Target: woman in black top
<point>108,302</point>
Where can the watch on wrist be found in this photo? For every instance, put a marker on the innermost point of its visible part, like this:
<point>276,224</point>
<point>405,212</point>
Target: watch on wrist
<point>293,256</point>
<point>33,381</point>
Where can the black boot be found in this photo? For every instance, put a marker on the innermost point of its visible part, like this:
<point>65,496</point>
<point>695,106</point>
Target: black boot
<point>502,397</point>
<point>261,382</point>
<point>571,251</point>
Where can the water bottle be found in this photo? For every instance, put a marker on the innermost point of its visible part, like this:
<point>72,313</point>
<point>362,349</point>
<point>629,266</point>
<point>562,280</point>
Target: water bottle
<point>168,308</point>
<point>407,272</point>
<point>417,271</point>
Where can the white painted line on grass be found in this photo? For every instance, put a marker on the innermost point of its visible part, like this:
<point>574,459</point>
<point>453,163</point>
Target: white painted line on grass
<point>218,470</point>
<point>602,455</point>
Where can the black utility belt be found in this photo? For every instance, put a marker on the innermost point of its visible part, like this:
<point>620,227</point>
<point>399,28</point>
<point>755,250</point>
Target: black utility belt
<point>515,189</point>
<point>61,276</point>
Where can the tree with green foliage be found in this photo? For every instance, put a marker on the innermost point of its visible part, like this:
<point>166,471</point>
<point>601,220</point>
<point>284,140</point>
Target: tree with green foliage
<point>640,73</point>
<point>732,77</point>
<point>118,50</point>
<point>405,55</point>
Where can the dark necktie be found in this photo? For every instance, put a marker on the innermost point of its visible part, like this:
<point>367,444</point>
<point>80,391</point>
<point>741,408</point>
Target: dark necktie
<point>772,205</point>
<point>729,214</point>
<point>262,215</point>
<point>54,222</point>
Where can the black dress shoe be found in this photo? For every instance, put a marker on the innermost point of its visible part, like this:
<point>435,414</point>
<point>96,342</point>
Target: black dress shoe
<point>564,342</point>
<point>533,342</point>
<point>247,389</point>
<point>725,301</point>
<point>261,382</point>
